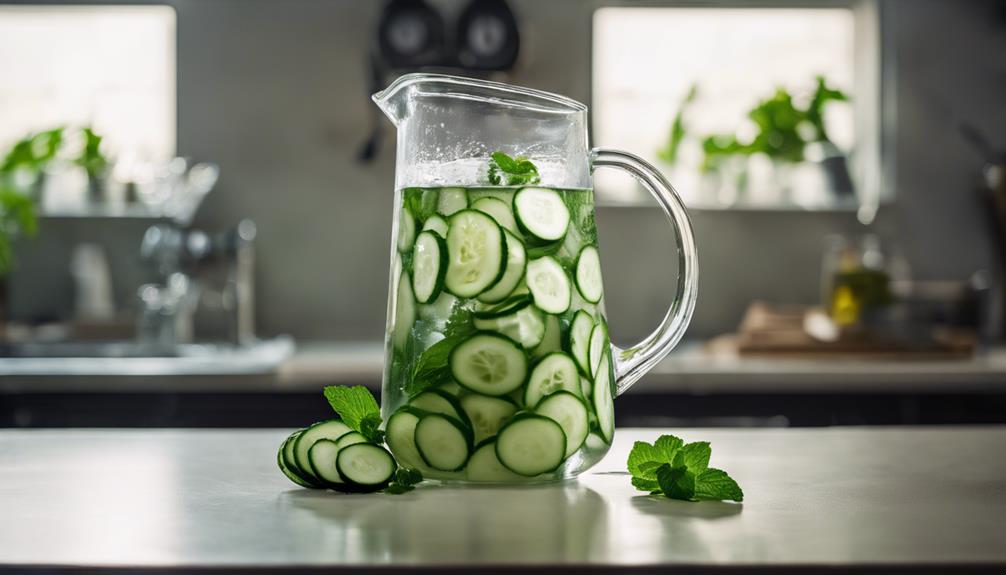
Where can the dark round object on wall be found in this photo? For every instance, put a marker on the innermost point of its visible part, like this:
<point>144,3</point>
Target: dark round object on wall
<point>410,34</point>
<point>487,36</point>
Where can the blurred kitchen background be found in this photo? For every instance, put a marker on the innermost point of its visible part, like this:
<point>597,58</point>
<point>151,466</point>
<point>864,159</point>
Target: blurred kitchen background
<point>197,200</point>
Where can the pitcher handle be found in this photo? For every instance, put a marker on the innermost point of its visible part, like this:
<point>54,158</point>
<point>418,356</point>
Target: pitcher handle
<point>632,363</point>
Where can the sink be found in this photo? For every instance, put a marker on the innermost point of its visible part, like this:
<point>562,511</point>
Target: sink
<point>139,359</point>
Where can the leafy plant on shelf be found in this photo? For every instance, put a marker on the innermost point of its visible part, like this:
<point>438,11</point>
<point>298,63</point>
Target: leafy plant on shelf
<point>22,174</point>
<point>783,128</point>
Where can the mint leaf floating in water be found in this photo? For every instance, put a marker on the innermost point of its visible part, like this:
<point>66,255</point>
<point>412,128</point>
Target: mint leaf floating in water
<point>504,170</point>
<point>680,471</point>
<point>357,408</point>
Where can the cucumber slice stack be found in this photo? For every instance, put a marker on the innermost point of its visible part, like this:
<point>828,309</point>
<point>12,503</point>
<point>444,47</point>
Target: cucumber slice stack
<point>506,283</point>
<point>330,455</point>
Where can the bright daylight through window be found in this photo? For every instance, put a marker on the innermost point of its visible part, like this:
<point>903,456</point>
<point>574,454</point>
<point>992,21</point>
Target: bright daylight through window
<point>739,106</point>
<point>85,72</point>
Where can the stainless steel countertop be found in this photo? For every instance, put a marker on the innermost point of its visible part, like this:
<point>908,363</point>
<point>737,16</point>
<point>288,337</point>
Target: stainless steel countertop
<point>852,499</point>
<point>688,370</point>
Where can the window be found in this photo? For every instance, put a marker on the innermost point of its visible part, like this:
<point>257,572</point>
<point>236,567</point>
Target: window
<point>647,60</point>
<point>109,67</point>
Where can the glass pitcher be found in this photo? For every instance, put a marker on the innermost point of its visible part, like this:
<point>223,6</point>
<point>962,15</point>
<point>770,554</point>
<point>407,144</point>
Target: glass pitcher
<point>498,366</point>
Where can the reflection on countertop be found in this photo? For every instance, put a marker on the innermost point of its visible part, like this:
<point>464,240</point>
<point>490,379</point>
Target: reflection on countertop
<point>691,369</point>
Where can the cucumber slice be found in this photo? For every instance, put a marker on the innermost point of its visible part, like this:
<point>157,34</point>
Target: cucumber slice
<point>429,265</point>
<point>487,414</point>
<point>443,442</point>
<point>440,309</point>
<point>579,340</point>
<point>351,438</point>
<point>552,340</point>
<point>554,372</point>
<point>541,213</point>
<point>598,344</point>
<point>400,436</point>
<point>497,210</point>
<point>595,441</point>
<point>570,413</point>
<point>514,272</point>
<point>531,445</point>
<point>290,474</point>
<point>549,285</point>
<point>586,387</point>
<point>290,458</point>
<point>451,388</point>
<point>525,326</point>
<point>322,456</point>
<point>436,224</point>
<point>366,466</point>
<point>484,467</point>
<point>406,229</point>
<point>451,201</point>
<point>603,399</point>
<point>503,308</point>
<point>439,401</point>
<point>405,312</point>
<point>476,252</point>
<point>588,275</point>
<point>331,429</point>
<point>488,363</point>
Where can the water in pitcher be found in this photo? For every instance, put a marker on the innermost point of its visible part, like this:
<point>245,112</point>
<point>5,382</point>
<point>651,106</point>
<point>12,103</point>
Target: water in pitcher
<point>500,368</point>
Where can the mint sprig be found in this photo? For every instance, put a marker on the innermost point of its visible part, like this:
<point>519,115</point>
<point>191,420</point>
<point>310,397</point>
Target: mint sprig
<point>358,410</point>
<point>512,171</point>
<point>678,470</point>
<point>406,479</point>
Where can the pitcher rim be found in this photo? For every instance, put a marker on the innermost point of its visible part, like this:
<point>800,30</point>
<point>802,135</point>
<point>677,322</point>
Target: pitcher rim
<point>407,80</point>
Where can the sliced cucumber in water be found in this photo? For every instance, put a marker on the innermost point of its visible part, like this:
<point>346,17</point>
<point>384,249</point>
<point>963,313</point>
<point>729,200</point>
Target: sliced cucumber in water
<point>488,363</point>
<point>603,399</point>
<point>579,340</point>
<point>331,429</point>
<point>487,414</point>
<point>439,401</point>
<point>526,326</point>
<point>549,285</point>
<point>514,272</point>
<point>429,266</point>
<point>598,345</point>
<point>477,253</point>
<point>552,340</point>
<point>406,230</point>
<point>405,312</point>
<point>444,442</point>
<point>531,445</point>
<point>484,467</point>
<point>586,388</point>
<point>497,210</point>
<point>366,466</point>
<point>541,213</point>
<point>436,224</point>
<point>322,456</point>
<point>400,436</point>
<point>451,201</point>
<point>588,275</point>
<point>554,372</point>
<point>570,413</point>
<point>504,308</point>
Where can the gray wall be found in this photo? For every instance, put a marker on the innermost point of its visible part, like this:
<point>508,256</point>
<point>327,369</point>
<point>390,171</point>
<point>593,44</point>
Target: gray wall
<point>275,92</point>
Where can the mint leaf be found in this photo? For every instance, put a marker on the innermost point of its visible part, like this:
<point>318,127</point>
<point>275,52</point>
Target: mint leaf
<point>715,485</point>
<point>661,451</point>
<point>676,482</point>
<point>356,405</point>
<point>695,456</point>
<point>680,471</point>
<point>518,171</point>
<point>405,480</point>
<point>433,369</point>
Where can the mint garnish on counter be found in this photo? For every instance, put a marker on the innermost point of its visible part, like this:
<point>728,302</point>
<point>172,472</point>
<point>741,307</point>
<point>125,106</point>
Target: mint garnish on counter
<point>680,471</point>
<point>504,170</point>
<point>358,410</point>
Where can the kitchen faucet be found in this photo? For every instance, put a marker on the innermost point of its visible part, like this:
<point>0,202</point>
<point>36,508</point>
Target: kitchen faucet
<point>185,260</point>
